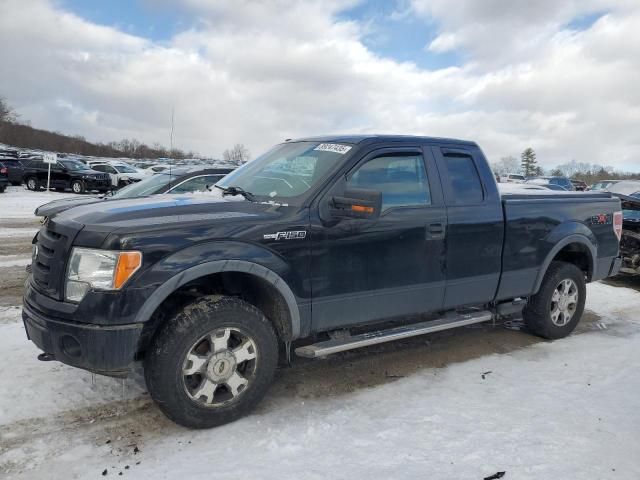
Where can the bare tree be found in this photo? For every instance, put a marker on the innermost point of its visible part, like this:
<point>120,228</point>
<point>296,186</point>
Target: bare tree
<point>506,165</point>
<point>237,155</point>
<point>7,113</point>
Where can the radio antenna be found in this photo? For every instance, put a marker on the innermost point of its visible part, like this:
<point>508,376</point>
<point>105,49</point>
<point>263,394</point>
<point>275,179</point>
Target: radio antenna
<point>171,147</point>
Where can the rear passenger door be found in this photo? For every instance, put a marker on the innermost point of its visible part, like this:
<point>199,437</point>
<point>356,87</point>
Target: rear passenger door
<point>475,226</point>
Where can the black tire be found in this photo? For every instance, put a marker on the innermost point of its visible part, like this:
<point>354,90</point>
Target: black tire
<point>77,186</point>
<point>538,312</point>
<point>166,358</point>
<point>2,189</point>
<point>32,184</point>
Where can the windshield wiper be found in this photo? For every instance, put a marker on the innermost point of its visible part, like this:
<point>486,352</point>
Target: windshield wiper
<point>236,191</point>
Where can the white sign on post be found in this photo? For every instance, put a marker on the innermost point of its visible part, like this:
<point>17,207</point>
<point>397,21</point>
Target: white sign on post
<point>49,158</point>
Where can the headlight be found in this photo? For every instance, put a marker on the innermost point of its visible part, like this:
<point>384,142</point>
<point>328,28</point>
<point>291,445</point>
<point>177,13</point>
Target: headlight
<point>98,270</point>
<point>88,177</point>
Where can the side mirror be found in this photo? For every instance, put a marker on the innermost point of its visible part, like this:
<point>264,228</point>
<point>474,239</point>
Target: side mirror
<point>357,203</point>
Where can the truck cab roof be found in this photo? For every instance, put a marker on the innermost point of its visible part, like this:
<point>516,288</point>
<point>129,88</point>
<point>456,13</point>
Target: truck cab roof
<point>375,138</point>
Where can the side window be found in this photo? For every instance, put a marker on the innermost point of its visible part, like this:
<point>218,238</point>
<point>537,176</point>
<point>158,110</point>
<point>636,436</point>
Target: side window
<point>401,179</point>
<point>98,168</point>
<point>109,169</point>
<point>464,179</point>
<point>196,184</point>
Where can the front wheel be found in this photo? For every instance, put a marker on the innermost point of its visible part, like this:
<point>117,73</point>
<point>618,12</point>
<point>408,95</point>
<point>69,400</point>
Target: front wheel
<point>32,184</point>
<point>556,309</point>
<point>212,362</point>
<point>77,186</point>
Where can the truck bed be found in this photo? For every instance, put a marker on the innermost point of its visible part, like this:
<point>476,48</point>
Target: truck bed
<point>536,223</point>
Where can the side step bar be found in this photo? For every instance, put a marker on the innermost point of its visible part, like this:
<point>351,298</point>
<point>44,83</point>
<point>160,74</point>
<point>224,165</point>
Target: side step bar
<point>336,345</point>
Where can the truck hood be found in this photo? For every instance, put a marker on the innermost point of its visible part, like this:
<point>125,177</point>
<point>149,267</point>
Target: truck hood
<point>162,211</point>
<point>57,206</point>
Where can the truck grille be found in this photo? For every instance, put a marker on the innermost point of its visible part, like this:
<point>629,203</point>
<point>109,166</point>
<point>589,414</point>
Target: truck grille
<point>47,269</point>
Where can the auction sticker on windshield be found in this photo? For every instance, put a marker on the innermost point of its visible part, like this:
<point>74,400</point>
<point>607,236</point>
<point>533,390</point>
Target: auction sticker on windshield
<point>333,147</point>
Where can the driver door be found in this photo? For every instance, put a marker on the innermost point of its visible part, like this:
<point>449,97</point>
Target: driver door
<point>365,270</point>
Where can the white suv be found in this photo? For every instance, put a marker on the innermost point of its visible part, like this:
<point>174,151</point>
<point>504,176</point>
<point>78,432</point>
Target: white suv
<point>121,174</point>
<point>512,178</point>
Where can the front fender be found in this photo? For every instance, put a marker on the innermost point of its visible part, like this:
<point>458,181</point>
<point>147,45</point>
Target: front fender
<point>171,285</point>
<point>214,257</point>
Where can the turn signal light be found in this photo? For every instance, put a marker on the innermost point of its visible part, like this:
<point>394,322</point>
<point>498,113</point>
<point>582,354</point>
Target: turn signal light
<point>128,264</point>
<point>361,209</point>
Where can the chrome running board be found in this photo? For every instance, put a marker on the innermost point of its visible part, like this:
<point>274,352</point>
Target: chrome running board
<point>335,345</point>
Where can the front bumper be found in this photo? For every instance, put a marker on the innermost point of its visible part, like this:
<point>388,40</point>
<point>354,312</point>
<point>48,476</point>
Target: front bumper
<point>109,350</point>
<point>95,184</point>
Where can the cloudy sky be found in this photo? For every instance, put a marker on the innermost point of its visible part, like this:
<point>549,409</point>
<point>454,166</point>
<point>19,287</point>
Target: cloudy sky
<point>561,76</point>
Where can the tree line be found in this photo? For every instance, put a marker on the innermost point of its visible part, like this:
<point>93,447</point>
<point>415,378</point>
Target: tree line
<point>590,173</point>
<point>20,134</point>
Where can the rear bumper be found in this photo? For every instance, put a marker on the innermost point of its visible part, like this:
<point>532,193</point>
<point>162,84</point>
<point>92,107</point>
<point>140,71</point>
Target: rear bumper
<point>606,267</point>
<point>107,350</point>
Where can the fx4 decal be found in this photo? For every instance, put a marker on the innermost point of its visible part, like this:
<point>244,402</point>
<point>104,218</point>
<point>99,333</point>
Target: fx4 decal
<point>293,235</point>
<point>602,219</point>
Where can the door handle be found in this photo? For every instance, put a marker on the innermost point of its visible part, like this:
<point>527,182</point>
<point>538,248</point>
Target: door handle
<point>435,230</point>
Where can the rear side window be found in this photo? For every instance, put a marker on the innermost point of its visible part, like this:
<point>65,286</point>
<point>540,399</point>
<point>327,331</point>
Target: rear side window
<point>36,164</point>
<point>464,179</point>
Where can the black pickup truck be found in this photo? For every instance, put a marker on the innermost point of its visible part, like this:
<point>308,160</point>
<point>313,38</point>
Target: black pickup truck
<point>320,245</point>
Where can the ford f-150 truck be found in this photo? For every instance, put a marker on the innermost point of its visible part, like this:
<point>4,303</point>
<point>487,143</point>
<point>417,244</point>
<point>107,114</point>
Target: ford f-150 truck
<point>318,246</point>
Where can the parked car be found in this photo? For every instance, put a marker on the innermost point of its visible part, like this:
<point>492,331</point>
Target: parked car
<point>513,178</point>
<point>65,174</point>
<point>15,169</point>
<point>120,174</point>
<point>602,185</point>
<point>321,241</point>
<point>157,169</point>
<point>554,183</point>
<point>579,185</point>
<point>4,177</point>
<point>629,193</point>
<point>180,180</point>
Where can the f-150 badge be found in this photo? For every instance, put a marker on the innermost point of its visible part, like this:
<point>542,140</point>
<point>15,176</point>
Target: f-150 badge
<point>293,235</point>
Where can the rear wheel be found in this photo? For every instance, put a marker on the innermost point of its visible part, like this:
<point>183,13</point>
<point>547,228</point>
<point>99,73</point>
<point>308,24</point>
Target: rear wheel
<point>2,189</point>
<point>32,184</point>
<point>212,362</point>
<point>77,186</point>
<point>557,307</point>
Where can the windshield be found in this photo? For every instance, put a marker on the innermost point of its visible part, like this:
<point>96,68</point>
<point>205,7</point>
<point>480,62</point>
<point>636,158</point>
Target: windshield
<point>287,171</point>
<point>73,165</point>
<point>124,168</point>
<point>148,186</point>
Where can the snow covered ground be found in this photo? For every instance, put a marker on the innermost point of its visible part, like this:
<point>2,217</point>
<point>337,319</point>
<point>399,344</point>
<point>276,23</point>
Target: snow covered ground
<point>457,405</point>
<point>19,203</point>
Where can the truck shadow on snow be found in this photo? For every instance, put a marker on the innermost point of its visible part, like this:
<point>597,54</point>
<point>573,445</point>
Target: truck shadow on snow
<point>367,367</point>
